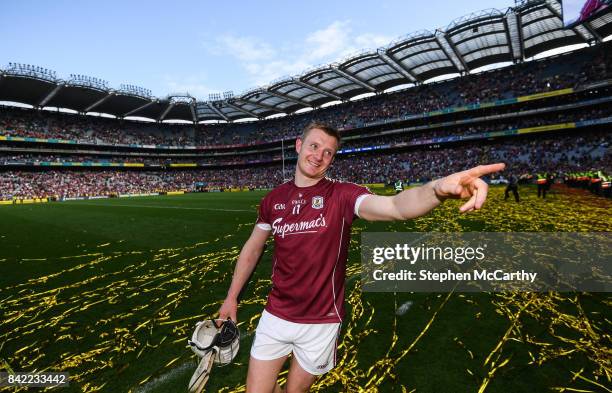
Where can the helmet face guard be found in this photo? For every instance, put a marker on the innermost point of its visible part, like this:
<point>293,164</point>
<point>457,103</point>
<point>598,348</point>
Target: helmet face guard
<point>217,336</point>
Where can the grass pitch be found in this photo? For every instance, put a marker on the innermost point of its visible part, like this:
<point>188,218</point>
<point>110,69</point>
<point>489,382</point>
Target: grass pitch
<point>109,290</point>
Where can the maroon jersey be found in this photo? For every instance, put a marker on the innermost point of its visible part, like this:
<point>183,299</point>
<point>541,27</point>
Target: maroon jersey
<point>311,228</point>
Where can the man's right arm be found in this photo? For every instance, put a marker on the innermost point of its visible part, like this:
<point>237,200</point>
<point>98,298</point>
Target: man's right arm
<point>247,260</point>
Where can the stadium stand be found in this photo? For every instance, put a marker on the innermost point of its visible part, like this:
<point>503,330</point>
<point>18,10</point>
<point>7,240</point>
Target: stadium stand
<point>547,115</point>
<point>559,155</point>
<point>569,71</point>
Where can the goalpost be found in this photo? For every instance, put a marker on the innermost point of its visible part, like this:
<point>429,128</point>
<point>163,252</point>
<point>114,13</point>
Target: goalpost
<point>285,178</point>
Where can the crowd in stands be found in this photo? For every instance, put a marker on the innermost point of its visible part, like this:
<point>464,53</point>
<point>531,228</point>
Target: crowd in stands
<point>425,134</point>
<point>592,64</point>
<point>419,136</point>
<point>69,184</point>
<point>30,158</point>
<point>90,129</point>
<point>558,154</point>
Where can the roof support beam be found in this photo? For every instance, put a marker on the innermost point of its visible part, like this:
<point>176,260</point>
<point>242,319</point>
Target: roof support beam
<point>456,52</point>
<point>294,100</point>
<point>587,25</point>
<point>218,112</point>
<point>166,111</point>
<point>193,112</point>
<point>139,108</point>
<point>586,38</point>
<point>453,55</point>
<point>508,38</point>
<point>101,100</point>
<point>519,27</point>
<point>242,110</point>
<point>514,35</point>
<point>354,79</point>
<point>397,66</point>
<point>317,89</point>
<point>50,95</point>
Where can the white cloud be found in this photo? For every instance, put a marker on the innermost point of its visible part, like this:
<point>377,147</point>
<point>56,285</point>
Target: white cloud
<point>265,63</point>
<point>247,49</point>
<point>328,42</point>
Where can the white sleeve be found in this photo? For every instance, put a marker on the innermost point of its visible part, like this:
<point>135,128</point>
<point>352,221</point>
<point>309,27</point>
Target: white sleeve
<point>264,226</point>
<point>358,201</point>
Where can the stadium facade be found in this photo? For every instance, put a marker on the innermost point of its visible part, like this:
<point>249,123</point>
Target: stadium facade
<point>547,115</point>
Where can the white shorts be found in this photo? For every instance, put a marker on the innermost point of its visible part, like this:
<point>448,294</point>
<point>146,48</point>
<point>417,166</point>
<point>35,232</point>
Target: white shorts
<point>312,344</point>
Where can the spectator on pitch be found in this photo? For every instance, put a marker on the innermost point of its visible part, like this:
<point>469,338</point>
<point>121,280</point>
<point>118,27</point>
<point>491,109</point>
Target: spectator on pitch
<point>542,179</point>
<point>310,218</point>
<point>512,186</point>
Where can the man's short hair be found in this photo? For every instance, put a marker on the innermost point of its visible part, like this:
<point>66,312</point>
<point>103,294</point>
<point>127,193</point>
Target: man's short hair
<point>329,130</point>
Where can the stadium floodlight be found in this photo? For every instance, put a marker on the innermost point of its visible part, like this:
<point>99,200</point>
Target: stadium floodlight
<point>135,91</point>
<point>87,81</point>
<point>228,95</point>
<point>214,97</point>
<point>27,70</point>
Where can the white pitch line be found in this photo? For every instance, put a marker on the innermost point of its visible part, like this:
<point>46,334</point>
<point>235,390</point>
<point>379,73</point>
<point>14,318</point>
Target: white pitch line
<point>169,376</point>
<point>157,207</point>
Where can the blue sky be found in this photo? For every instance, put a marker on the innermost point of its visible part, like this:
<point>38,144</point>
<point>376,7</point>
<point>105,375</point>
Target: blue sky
<point>204,47</point>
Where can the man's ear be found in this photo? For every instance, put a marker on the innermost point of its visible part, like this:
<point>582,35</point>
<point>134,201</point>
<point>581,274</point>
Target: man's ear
<point>298,145</point>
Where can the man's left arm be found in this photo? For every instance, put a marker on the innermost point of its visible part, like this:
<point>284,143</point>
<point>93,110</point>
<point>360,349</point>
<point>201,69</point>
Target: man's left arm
<point>418,201</point>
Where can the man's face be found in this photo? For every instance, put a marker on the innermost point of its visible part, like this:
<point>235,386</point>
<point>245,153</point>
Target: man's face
<point>315,153</point>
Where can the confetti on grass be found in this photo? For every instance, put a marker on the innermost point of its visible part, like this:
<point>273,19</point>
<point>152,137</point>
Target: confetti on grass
<point>119,320</point>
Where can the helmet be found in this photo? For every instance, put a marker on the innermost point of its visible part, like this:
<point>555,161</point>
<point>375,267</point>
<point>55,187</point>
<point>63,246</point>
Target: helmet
<point>222,337</point>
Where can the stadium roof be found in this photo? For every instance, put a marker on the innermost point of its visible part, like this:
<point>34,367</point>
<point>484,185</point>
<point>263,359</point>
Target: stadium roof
<point>475,40</point>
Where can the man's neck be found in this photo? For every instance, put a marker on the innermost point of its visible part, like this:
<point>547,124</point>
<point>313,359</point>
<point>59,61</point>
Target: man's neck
<point>302,181</point>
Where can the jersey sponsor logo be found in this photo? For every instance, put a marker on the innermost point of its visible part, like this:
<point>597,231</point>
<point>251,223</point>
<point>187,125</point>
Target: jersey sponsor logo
<point>279,206</point>
<point>317,202</point>
<point>282,229</point>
